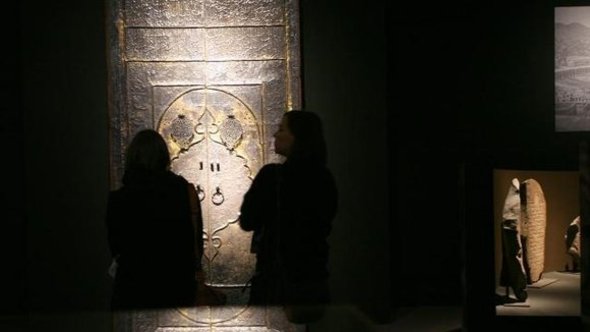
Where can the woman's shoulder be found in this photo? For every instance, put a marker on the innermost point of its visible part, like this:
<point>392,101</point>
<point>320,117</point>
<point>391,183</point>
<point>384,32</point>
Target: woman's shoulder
<point>116,193</point>
<point>176,178</point>
<point>309,169</point>
<point>268,173</point>
<point>155,181</point>
<point>269,169</point>
<point>178,183</point>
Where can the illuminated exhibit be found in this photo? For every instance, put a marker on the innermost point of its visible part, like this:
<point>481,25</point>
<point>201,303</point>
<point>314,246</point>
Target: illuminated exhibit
<point>533,227</point>
<point>214,78</point>
<point>573,244</point>
<point>532,274</point>
<point>513,274</point>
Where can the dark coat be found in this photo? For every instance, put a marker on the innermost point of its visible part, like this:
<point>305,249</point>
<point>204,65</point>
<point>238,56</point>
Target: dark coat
<point>151,234</point>
<point>290,208</point>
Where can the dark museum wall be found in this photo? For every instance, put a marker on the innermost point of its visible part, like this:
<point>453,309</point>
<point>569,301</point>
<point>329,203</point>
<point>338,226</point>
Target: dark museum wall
<point>344,80</point>
<point>410,94</point>
<point>64,110</point>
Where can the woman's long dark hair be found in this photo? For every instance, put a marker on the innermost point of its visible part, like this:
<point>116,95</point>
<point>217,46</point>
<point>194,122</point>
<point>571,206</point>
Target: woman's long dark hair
<point>309,144</point>
<point>147,151</point>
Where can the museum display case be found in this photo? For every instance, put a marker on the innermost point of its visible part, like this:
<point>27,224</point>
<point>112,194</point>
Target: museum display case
<point>534,253</point>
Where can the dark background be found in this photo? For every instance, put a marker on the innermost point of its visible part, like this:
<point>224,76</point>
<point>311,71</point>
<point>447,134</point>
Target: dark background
<point>420,101</point>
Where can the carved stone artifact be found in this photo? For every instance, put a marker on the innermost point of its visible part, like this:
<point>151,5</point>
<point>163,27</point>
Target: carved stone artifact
<point>572,243</point>
<point>533,227</point>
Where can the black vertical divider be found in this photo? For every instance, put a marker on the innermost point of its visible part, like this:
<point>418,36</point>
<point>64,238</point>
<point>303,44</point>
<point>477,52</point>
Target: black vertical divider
<point>476,207</point>
<point>584,162</point>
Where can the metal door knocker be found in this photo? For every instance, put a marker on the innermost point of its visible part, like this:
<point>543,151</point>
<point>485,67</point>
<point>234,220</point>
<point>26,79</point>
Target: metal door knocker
<point>200,193</point>
<point>217,197</point>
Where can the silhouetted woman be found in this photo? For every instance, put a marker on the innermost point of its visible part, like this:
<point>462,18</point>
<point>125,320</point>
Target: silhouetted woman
<point>290,208</point>
<point>150,230</point>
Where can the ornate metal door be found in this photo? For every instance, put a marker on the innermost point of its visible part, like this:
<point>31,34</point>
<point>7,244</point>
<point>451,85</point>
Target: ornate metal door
<point>214,78</point>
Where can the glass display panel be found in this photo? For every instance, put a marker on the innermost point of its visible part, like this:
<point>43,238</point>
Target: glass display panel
<point>537,242</point>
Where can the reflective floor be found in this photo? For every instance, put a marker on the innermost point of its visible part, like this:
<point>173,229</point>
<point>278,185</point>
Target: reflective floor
<point>338,319</point>
<point>559,296</point>
<point>425,319</point>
